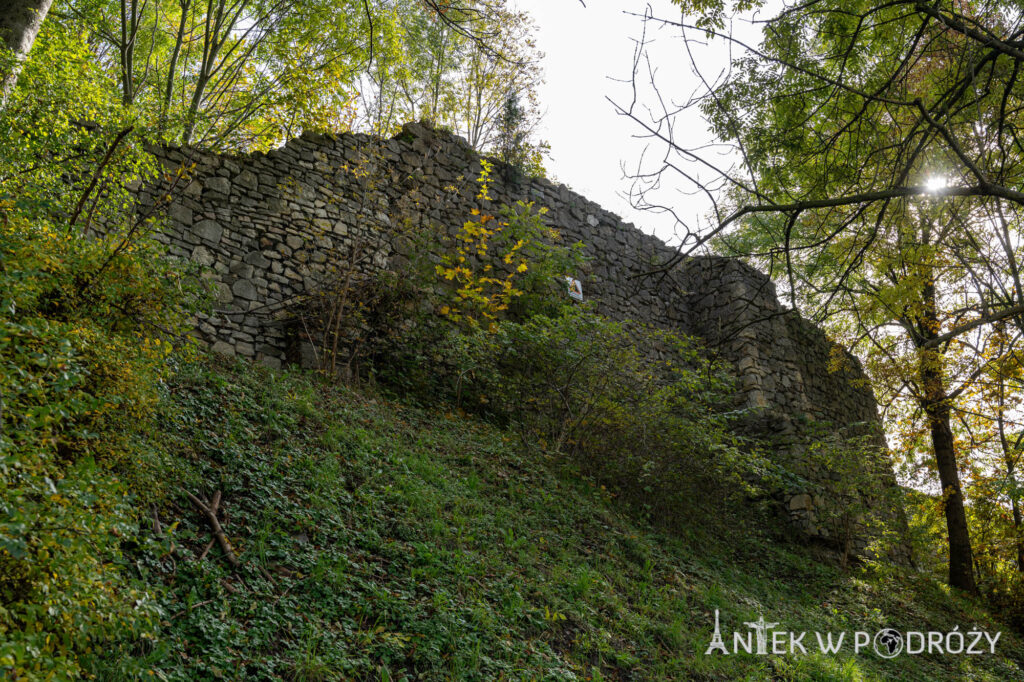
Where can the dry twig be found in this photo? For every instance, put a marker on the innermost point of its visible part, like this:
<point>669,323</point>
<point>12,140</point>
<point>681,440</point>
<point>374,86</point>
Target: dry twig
<point>209,509</point>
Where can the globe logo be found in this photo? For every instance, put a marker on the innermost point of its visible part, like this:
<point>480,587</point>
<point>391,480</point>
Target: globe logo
<point>888,643</point>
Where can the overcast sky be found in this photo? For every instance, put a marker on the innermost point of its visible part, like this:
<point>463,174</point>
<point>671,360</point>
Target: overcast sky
<point>585,48</point>
<point>588,53</point>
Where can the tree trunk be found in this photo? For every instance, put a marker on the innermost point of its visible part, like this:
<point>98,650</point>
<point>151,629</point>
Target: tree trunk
<point>172,68</point>
<point>20,21</point>
<point>935,403</point>
<point>1011,477</point>
<point>961,561</point>
<point>1018,522</point>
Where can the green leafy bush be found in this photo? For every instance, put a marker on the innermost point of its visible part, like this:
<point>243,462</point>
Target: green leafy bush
<point>504,266</point>
<point>401,327</point>
<point>63,132</point>
<point>89,312</point>
<point>84,339</point>
<point>1005,592</point>
<point>639,408</point>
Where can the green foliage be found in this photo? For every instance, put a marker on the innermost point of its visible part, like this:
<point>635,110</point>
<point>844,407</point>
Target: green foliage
<point>997,551</point>
<point>513,145</point>
<point>457,71</point>
<point>226,75</point>
<point>711,15</point>
<point>926,531</point>
<point>56,130</point>
<point>1004,590</point>
<point>89,310</point>
<point>861,500</point>
<point>845,201</point>
<point>509,265</point>
<point>380,541</point>
<point>403,336</point>
<point>655,431</point>
<point>999,577</point>
<point>78,372</point>
<point>246,76</point>
<point>505,267</point>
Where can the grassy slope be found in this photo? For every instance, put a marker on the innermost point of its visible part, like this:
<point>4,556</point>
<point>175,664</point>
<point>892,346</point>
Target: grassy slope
<point>386,542</point>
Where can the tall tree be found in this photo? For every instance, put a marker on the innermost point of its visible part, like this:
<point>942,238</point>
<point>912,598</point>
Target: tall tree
<point>838,130</point>
<point>20,21</point>
<point>230,74</point>
<point>457,67</point>
<point>491,74</point>
<point>515,138</point>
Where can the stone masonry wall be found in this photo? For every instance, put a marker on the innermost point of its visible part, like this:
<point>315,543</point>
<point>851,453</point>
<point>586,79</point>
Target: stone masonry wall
<point>273,226</point>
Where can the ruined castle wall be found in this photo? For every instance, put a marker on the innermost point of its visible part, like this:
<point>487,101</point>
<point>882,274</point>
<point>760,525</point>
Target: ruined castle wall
<point>271,227</point>
<point>276,225</point>
<point>784,362</point>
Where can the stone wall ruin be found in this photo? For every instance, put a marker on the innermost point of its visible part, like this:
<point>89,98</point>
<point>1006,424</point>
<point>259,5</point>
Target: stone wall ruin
<point>270,226</point>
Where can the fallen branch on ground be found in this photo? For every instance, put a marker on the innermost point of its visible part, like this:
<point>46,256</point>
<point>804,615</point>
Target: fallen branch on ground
<point>209,509</point>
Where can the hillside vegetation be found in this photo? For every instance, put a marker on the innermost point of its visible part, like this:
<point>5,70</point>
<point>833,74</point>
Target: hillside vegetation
<point>483,480</point>
<point>383,541</point>
<point>584,520</point>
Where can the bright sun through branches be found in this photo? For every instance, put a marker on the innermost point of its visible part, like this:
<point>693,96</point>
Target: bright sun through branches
<point>936,183</point>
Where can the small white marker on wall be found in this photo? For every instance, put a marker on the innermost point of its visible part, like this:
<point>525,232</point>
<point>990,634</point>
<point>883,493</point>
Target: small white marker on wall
<point>575,288</point>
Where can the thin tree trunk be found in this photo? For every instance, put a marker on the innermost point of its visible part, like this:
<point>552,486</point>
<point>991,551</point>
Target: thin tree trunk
<point>20,21</point>
<point>1011,477</point>
<point>1018,522</point>
<point>935,403</point>
<point>211,45</point>
<point>172,68</point>
<point>129,30</point>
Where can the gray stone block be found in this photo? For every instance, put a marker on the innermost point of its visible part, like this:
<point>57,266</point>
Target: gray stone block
<point>223,348</point>
<point>202,255</point>
<point>210,230</point>
<point>218,184</point>
<point>247,179</point>
<point>180,213</point>
<point>223,294</point>
<point>245,289</point>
